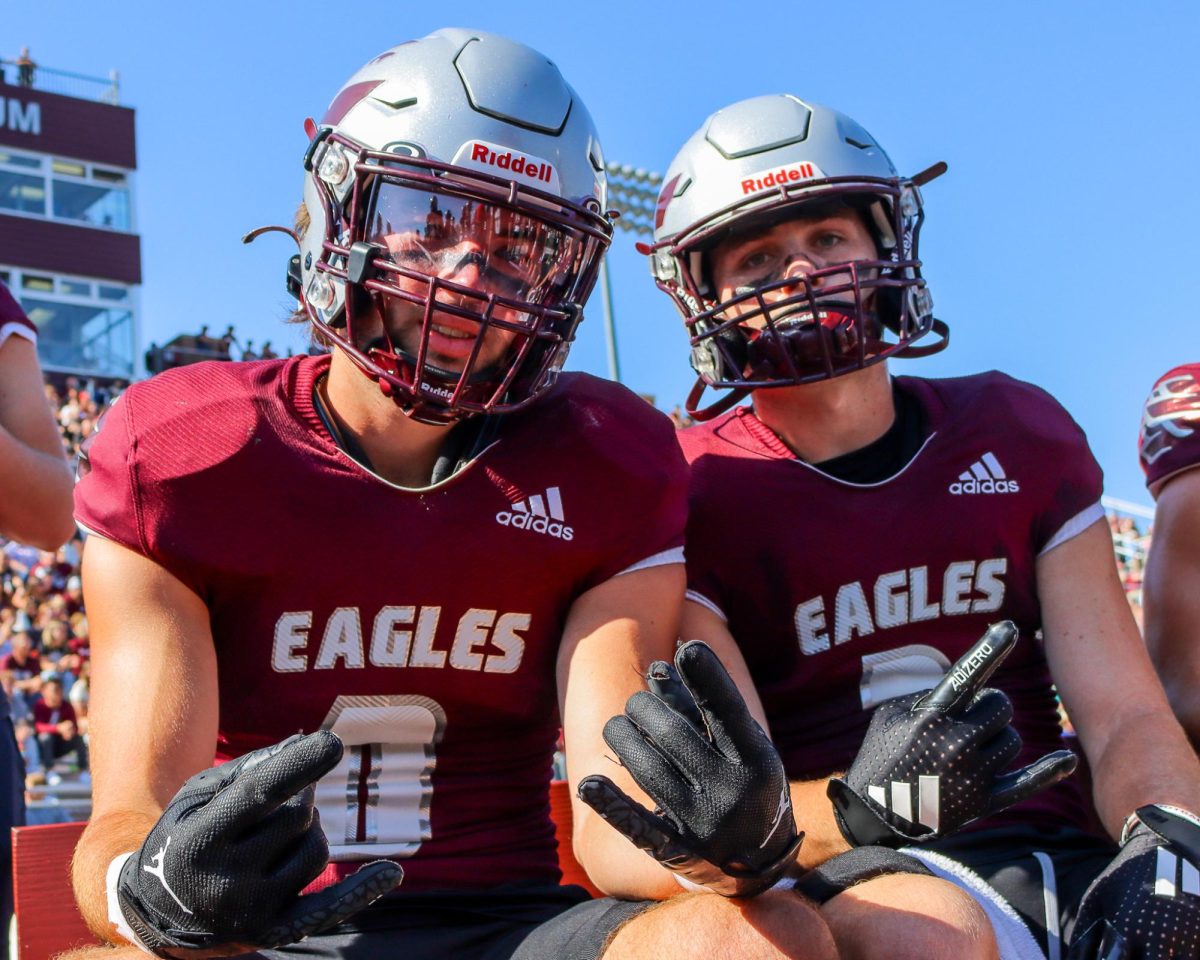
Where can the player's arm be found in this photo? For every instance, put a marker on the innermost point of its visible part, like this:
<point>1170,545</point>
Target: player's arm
<point>1170,600</point>
<point>153,710</point>
<point>244,836</point>
<point>1137,751</point>
<point>613,633</point>
<point>35,481</point>
<point>1144,903</point>
<point>720,816</point>
<point>813,811</point>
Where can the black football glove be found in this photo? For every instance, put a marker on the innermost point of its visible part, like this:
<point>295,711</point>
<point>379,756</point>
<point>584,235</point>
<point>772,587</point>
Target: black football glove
<point>222,870</point>
<point>930,762</point>
<point>1146,903</point>
<point>724,817</point>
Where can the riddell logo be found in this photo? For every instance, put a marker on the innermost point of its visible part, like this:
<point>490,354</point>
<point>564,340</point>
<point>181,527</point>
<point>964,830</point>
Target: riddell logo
<point>539,515</point>
<point>985,475</point>
<point>497,159</point>
<point>782,177</point>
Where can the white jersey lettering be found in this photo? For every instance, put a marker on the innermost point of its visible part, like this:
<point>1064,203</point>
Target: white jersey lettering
<point>901,597</point>
<point>402,636</point>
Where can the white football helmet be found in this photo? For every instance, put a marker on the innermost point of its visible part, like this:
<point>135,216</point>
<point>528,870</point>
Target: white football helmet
<point>752,165</point>
<point>455,186</point>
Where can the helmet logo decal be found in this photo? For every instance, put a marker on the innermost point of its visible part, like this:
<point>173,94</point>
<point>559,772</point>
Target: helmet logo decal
<point>347,97</point>
<point>792,173</point>
<point>1172,413</point>
<point>491,157</point>
<point>404,148</point>
<point>664,199</point>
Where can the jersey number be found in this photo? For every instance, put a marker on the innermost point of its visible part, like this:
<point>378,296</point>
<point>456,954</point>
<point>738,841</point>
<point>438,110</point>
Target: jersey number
<point>375,803</point>
<point>904,670</point>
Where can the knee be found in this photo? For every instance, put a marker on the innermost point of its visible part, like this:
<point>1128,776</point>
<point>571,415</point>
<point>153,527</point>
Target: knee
<point>791,925</point>
<point>777,925</point>
<point>903,917</point>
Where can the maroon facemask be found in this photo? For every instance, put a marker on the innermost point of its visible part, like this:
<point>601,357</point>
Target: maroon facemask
<point>463,290</point>
<point>789,331</point>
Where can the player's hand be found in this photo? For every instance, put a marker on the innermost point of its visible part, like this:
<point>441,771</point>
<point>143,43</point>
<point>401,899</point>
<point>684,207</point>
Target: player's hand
<point>931,762</point>
<point>222,870</point>
<point>1146,903</point>
<point>724,817</point>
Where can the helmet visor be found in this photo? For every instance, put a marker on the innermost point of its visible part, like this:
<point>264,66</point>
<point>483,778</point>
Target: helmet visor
<point>487,248</point>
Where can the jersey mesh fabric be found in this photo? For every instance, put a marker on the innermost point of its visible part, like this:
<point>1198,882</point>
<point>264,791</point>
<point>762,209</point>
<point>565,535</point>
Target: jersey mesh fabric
<point>420,625</point>
<point>843,595</point>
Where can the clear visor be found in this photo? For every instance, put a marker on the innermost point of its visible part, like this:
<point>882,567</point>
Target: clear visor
<point>488,247</point>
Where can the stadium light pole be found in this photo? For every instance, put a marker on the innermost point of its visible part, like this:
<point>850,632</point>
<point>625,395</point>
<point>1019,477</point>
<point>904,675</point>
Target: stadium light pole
<point>633,193</point>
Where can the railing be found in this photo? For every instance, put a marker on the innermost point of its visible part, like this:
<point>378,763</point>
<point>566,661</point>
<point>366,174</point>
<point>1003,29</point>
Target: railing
<point>102,89</point>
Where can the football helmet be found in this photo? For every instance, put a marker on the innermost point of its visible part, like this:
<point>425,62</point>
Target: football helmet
<point>757,163</point>
<point>457,196</point>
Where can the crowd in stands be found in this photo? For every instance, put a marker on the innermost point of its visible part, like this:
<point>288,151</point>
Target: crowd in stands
<point>44,645</point>
<point>44,665</point>
<point>1131,545</point>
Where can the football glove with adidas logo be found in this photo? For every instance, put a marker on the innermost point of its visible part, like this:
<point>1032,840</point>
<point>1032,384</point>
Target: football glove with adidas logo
<point>222,870</point>
<point>724,819</point>
<point>931,762</point>
<point>1146,903</point>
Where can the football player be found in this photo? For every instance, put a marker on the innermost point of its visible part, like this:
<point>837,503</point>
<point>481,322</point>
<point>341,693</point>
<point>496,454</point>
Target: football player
<point>856,533</point>
<point>35,508</point>
<point>1169,449</point>
<point>408,552</point>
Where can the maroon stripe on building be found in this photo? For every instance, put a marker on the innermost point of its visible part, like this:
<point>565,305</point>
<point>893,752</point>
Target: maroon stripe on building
<point>67,126</point>
<point>67,248</point>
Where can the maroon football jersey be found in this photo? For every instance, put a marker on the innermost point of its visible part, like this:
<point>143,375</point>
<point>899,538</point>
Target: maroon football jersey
<point>1169,441</point>
<point>13,319</point>
<point>422,626</point>
<point>843,595</point>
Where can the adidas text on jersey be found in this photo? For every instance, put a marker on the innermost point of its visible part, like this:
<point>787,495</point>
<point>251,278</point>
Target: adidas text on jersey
<point>985,475</point>
<point>539,515</point>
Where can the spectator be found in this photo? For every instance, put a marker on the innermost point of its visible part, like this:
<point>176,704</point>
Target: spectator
<point>57,730</point>
<point>24,666</point>
<point>26,69</point>
<point>73,595</point>
<point>80,695</point>
<point>28,745</point>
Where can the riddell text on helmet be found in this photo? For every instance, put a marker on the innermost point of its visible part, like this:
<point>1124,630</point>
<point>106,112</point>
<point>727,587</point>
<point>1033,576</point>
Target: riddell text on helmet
<point>482,153</point>
<point>782,177</point>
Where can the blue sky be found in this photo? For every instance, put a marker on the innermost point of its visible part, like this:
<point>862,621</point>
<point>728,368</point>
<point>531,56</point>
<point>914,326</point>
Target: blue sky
<point>1059,248</point>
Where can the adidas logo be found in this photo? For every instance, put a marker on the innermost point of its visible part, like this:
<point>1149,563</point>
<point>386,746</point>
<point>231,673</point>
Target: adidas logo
<point>985,475</point>
<point>541,515</point>
<point>898,800</point>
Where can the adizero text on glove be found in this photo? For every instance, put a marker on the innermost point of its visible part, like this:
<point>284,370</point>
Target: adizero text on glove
<point>932,762</point>
<point>724,817</point>
<point>222,870</point>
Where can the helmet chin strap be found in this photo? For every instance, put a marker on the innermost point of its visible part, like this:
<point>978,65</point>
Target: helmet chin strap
<point>825,337</point>
<point>692,405</point>
<point>784,350</point>
<point>940,329</point>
